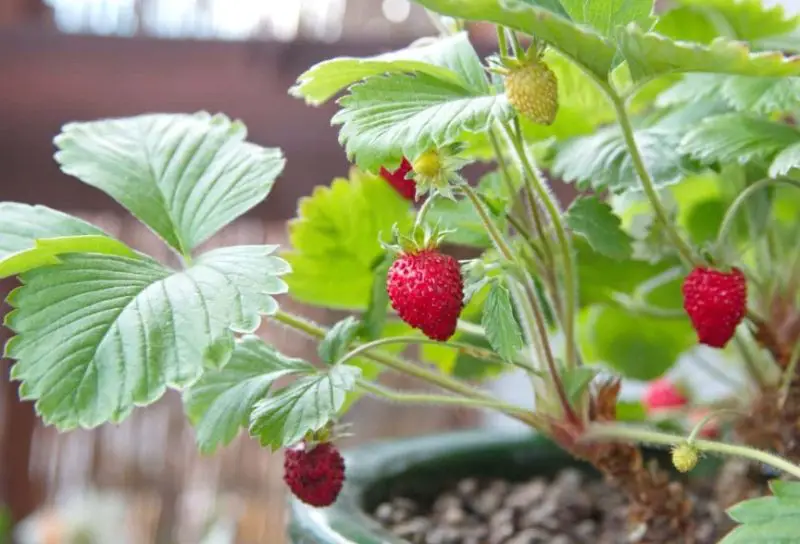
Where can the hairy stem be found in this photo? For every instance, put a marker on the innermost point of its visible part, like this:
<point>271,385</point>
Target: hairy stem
<point>405,367</point>
<point>424,398</point>
<point>648,185</point>
<point>476,351</point>
<point>423,211</point>
<point>535,184</point>
<point>741,199</point>
<point>646,436</point>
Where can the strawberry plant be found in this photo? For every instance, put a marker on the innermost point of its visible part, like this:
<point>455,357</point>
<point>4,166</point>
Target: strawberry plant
<point>676,127</point>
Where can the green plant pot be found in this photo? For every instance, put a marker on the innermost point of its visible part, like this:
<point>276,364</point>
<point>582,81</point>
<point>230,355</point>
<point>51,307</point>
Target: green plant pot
<point>419,467</point>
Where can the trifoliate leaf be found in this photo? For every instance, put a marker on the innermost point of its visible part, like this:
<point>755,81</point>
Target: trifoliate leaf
<point>766,520</point>
<point>607,15</point>
<point>184,176</point>
<point>22,224</point>
<point>338,339</point>
<point>307,405</point>
<point>650,55</point>
<point>99,334</point>
<point>46,251</point>
<point>704,20</point>
<point>637,346</point>
<point>502,329</point>
<point>219,404</point>
<point>738,138</point>
<point>450,58</point>
<point>544,19</point>
<point>595,221</point>
<point>335,240</point>
<point>386,118</point>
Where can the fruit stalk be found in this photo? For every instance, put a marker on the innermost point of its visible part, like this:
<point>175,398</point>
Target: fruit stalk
<point>535,183</point>
<point>400,365</point>
<point>646,179</point>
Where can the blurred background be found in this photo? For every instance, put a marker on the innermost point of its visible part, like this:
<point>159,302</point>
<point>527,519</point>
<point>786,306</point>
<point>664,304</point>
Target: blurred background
<point>64,60</point>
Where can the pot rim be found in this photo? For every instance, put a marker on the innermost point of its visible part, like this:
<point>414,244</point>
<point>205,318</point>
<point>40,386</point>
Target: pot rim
<point>346,522</point>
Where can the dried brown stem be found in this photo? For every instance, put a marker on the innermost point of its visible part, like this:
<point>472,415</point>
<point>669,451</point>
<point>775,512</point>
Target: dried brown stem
<point>660,510</point>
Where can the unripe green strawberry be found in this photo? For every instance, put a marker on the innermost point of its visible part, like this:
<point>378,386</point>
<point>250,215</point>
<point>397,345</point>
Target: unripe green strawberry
<point>533,91</point>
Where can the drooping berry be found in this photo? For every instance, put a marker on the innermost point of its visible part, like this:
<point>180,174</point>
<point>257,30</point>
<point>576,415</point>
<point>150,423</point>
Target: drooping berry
<point>716,302</point>
<point>684,456</point>
<point>407,187</point>
<point>315,475</point>
<point>662,394</point>
<point>533,91</point>
<point>427,291</point>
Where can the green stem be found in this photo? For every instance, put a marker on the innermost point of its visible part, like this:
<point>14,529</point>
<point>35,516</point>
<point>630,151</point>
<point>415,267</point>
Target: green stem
<point>489,225</point>
<point>537,186</point>
<point>633,434</point>
<point>424,398</point>
<point>476,351</point>
<point>502,41</point>
<point>646,179</point>
<point>423,211</point>
<point>400,365</point>
<point>750,364</point>
<point>708,417</point>
<point>741,199</point>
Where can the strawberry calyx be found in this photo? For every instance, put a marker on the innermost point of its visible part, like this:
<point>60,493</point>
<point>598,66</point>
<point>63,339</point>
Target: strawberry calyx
<point>419,238</point>
<point>436,171</point>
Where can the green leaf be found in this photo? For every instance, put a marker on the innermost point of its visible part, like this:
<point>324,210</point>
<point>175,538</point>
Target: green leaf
<point>184,176</point>
<point>374,318</point>
<point>335,240</point>
<point>595,221</point>
<point>767,520</point>
<point>544,19</point>
<point>502,329</point>
<point>22,224</point>
<point>451,58</point>
<point>635,345</point>
<point>100,334</point>
<point>785,490</point>
<point>45,252</point>
<point>606,15</point>
<point>601,278</point>
<point>738,138</point>
<point>306,405</point>
<point>386,118</point>
<point>650,55</point>
<point>704,20</point>
<point>219,404</point>
<point>576,380</point>
<point>337,342</point>
<point>785,161</point>
<point>602,161</point>
<point>759,95</point>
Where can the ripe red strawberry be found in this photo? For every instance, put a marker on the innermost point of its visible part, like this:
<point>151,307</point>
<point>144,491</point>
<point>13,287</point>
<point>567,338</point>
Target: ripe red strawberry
<point>315,475</point>
<point>716,303</point>
<point>427,291</point>
<point>405,186</point>
<point>662,394</point>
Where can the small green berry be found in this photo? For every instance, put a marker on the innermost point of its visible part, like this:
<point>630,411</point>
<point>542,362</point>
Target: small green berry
<point>684,457</point>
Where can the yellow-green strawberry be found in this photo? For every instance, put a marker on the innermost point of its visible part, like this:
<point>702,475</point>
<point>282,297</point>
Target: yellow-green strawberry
<point>532,89</point>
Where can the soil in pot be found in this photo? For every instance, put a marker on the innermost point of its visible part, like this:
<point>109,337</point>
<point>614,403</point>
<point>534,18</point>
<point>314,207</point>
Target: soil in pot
<point>572,508</point>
